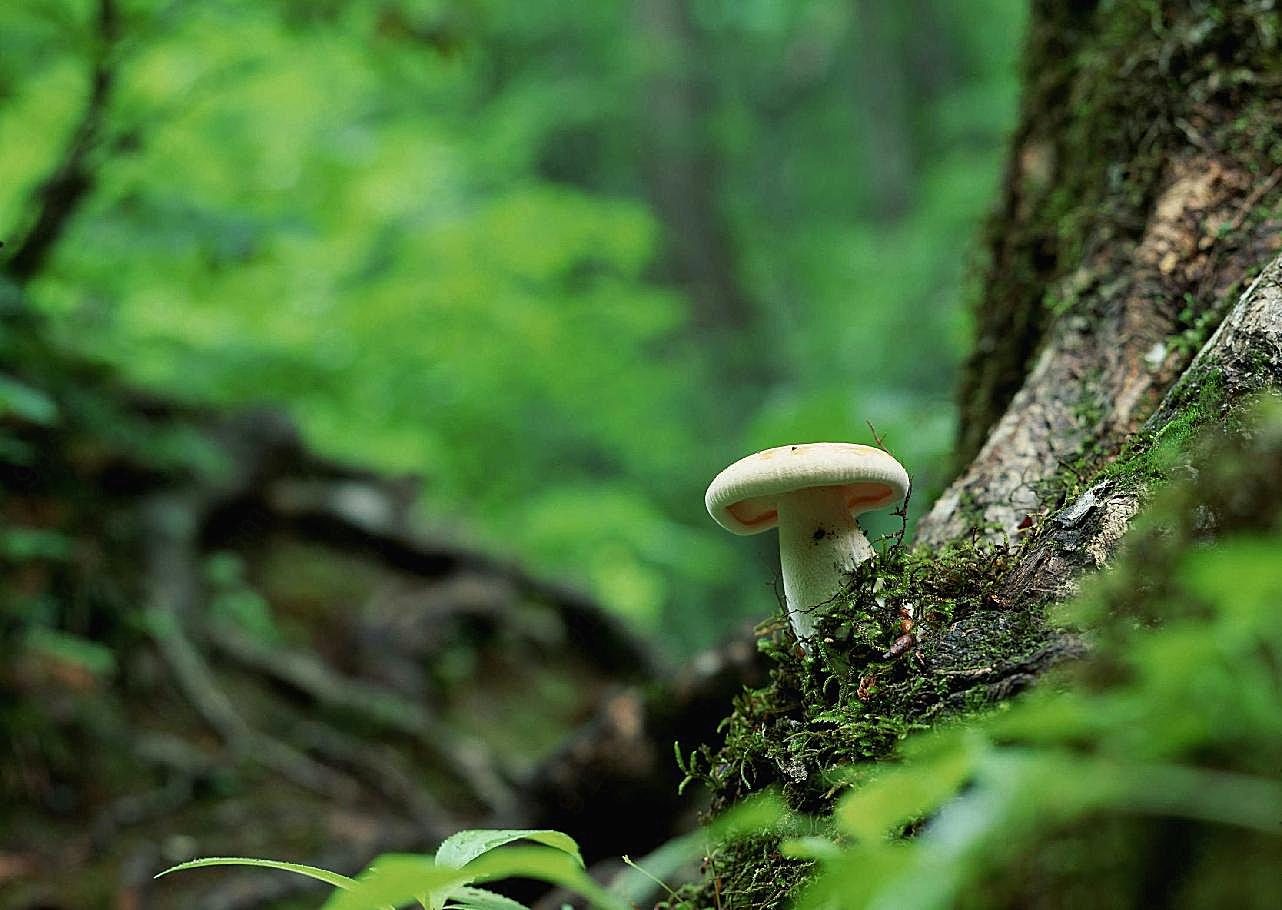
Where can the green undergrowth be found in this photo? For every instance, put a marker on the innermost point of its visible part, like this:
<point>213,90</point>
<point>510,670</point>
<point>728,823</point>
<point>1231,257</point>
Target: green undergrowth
<point>448,879</point>
<point>74,447</point>
<point>749,872</point>
<point>1145,774</point>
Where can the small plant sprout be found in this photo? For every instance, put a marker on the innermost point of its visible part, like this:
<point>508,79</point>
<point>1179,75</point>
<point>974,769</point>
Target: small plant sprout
<point>812,493</point>
<point>447,881</point>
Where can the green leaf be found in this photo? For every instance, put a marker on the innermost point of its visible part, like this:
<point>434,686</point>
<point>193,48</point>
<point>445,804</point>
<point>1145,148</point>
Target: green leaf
<point>94,657</point>
<point>905,793</point>
<point>323,875</point>
<point>457,851</point>
<point>466,897</point>
<point>858,876</point>
<point>394,880</point>
<point>812,847</point>
<point>26,403</point>
<point>550,865</point>
<point>755,814</point>
<point>22,544</point>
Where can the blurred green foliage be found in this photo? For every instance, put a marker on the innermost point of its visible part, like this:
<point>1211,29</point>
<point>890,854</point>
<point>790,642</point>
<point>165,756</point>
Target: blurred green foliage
<point>564,261</point>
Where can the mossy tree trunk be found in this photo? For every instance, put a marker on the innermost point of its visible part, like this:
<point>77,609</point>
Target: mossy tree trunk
<point>1140,195</point>
<point>1130,295</point>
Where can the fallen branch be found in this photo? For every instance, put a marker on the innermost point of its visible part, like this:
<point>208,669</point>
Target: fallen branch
<point>382,775</point>
<point>337,514</point>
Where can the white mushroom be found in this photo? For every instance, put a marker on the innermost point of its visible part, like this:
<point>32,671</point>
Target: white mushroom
<point>812,493</point>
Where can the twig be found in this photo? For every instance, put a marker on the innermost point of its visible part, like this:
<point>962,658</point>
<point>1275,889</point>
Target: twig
<point>1255,196</point>
<point>875,438</point>
<point>60,195</point>
<point>382,775</point>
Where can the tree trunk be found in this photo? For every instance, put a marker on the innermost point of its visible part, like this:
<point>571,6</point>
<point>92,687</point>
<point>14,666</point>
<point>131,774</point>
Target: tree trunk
<point>1132,286</point>
<point>882,91</point>
<point>1138,196</point>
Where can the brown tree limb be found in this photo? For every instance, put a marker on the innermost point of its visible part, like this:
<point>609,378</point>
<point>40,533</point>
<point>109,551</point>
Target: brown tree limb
<point>170,600</point>
<point>326,511</point>
<point>60,195</point>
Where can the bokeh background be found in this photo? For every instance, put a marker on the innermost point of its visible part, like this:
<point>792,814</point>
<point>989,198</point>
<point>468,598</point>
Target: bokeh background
<point>560,262</point>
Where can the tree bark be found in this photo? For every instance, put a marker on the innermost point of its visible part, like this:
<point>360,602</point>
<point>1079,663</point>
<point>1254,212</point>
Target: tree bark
<point>683,174</point>
<point>1115,292</point>
<point>1136,198</point>
<point>1105,365</point>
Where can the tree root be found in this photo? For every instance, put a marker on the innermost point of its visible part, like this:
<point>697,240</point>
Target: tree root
<point>1243,356</point>
<point>170,524</point>
<point>309,676</point>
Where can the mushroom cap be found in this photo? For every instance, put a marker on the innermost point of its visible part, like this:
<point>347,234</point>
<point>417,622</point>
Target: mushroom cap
<point>744,498</point>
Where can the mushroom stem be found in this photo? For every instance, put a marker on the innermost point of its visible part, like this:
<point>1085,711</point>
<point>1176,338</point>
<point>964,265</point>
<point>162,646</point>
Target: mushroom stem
<point>819,545</point>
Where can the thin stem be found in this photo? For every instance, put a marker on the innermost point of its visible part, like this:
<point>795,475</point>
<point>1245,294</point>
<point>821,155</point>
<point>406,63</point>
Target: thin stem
<point>819,546</point>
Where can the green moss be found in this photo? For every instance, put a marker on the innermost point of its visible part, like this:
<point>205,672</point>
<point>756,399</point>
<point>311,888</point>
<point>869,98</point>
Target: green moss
<point>849,701</point>
<point>747,874</point>
<point>1200,399</point>
<point>855,696</point>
